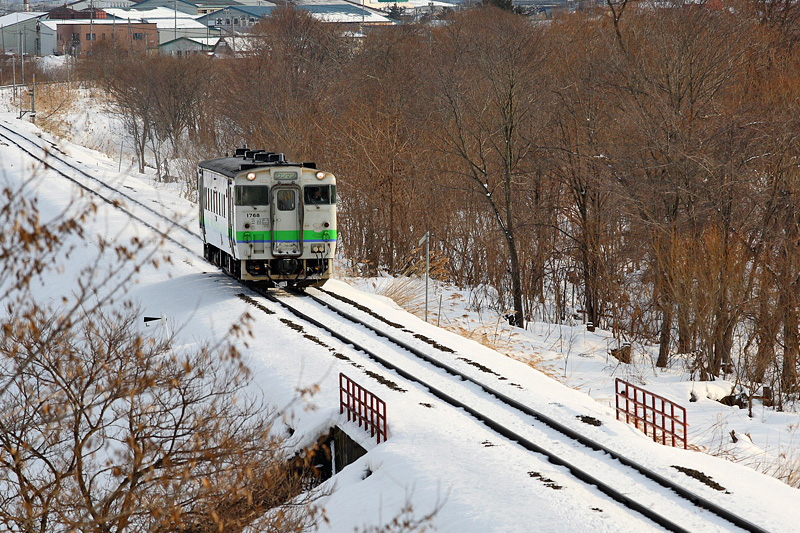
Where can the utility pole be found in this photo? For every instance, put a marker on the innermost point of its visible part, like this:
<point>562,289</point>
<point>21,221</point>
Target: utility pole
<point>91,25</point>
<point>33,99</point>
<point>426,239</point>
<point>22,57</point>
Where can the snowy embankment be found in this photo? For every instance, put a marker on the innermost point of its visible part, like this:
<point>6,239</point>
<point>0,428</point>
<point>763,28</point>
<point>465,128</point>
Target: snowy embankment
<point>435,455</point>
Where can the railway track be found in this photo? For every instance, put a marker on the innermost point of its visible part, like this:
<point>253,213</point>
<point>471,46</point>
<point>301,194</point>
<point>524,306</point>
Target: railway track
<point>658,498</point>
<point>668,504</point>
<point>52,161</point>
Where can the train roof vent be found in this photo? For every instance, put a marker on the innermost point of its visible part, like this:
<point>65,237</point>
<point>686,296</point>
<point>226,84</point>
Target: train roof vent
<point>240,152</point>
<point>262,157</point>
<point>250,154</point>
<point>309,164</point>
<point>277,158</point>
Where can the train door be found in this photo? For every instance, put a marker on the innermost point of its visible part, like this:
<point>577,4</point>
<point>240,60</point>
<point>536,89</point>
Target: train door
<point>201,202</point>
<point>230,191</point>
<point>251,220</point>
<point>287,221</point>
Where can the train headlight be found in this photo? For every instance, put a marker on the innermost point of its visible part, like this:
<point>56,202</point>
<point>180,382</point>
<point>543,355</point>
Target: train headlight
<point>320,175</point>
<point>251,176</point>
<point>317,248</point>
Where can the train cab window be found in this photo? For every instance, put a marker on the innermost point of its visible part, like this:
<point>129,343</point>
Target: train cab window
<point>285,200</point>
<point>252,195</point>
<point>319,194</point>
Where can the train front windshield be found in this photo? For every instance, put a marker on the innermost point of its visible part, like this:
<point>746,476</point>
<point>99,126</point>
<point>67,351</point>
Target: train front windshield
<point>252,195</point>
<point>319,194</point>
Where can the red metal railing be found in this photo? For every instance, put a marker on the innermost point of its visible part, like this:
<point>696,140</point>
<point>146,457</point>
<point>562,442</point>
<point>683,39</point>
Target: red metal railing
<point>363,407</point>
<point>665,420</point>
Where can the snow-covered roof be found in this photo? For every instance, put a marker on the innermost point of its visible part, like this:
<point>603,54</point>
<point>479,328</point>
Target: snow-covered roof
<point>177,23</point>
<point>242,44</point>
<point>204,41</point>
<point>197,3</point>
<point>150,14</point>
<point>326,12</point>
<point>425,4</point>
<point>79,5</point>
<point>54,23</point>
<point>205,3</point>
<point>256,3</point>
<point>346,13</point>
<point>161,17</point>
<point>16,18</point>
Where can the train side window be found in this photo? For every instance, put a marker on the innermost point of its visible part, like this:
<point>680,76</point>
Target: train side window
<point>319,194</point>
<point>252,195</point>
<point>285,200</point>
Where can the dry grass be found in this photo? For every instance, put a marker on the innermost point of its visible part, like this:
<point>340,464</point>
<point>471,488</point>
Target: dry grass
<point>487,336</point>
<point>53,101</point>
<point>409,294</point>
<point>786,467</point>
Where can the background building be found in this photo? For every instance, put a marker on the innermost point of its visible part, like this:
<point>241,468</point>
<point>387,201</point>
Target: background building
<point>78,37</point>
<point>172,24</point>
<point>18,33</point>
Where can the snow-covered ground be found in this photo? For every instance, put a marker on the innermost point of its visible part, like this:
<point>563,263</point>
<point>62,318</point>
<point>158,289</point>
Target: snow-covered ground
<point>568,353</point>
<point>436,456</point>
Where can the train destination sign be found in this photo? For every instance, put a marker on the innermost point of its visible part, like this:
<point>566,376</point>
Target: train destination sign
<point>284,175</point>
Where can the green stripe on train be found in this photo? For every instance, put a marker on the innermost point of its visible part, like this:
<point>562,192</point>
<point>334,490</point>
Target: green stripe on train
<point>266,236</point>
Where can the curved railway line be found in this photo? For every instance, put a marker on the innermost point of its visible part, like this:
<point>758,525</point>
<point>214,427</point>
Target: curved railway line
<point>49,156</point>
<point>515,421</point>
<point>592,475</point>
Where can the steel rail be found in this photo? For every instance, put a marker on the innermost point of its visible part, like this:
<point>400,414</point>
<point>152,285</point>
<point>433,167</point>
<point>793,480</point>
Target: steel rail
<point>557,426</point>
<point>500,428</point>
<point>114,203</point>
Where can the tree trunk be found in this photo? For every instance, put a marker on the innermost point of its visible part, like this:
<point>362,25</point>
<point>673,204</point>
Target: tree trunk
<point>685,336</point>
<point>665,335</point>
<point>516,282</point>
<point>791,345</point>
<point>765,355</point>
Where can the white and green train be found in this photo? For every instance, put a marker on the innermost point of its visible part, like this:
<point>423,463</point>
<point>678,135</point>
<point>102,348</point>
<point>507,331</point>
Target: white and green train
<point>267,220</point>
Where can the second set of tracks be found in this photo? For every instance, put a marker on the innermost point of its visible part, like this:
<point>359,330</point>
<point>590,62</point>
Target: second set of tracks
<point>663,501</point>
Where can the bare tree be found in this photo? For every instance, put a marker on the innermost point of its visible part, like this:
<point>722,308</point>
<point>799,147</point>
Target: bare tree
<point>385,149</point>
<point>108,430</point>
<point>133,95</point>
<point>580,141</point>
<point>274,96</point>
<point>672,73</point>
<point>489,61</point>
<point>104,428</point>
